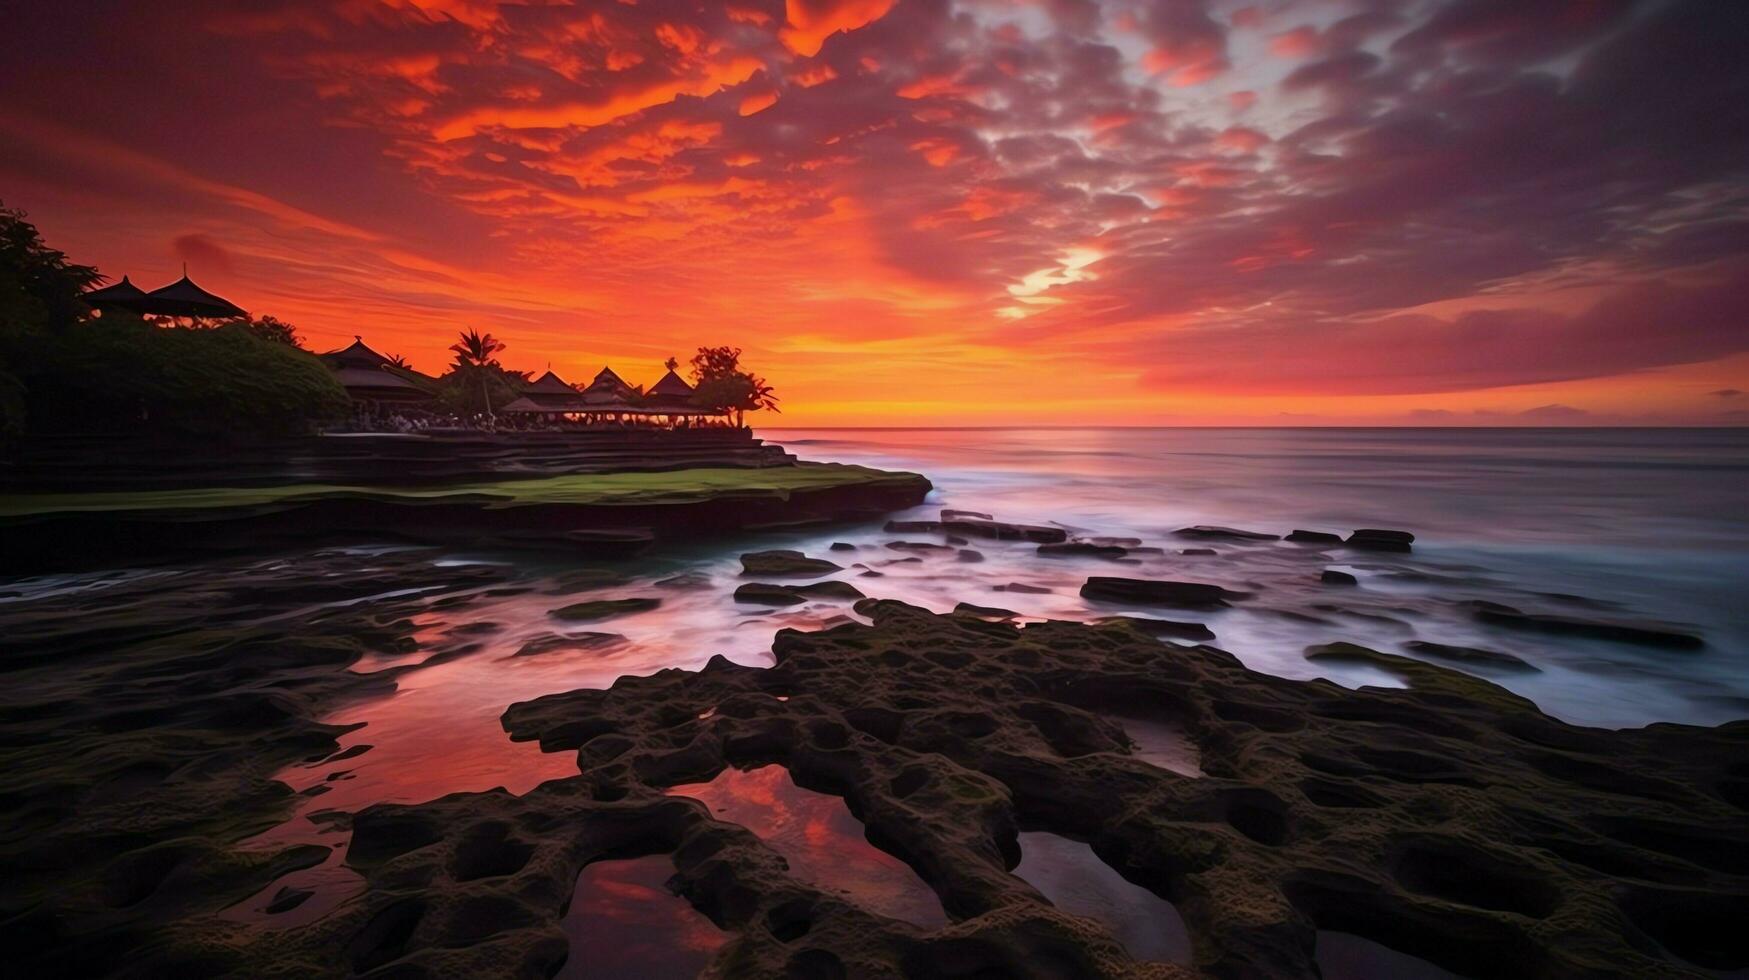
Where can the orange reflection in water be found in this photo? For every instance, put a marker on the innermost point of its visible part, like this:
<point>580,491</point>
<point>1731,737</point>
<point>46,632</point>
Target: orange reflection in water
<point>624,922</point>
<point>823,843</point>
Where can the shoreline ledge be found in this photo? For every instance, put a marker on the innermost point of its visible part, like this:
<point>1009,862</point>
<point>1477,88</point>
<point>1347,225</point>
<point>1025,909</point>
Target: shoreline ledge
<point>602,515</point>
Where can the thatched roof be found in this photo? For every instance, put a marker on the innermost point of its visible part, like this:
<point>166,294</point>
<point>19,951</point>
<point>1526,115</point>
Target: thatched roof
<point>549,384</point>
<point>608,391</point>
<point>355,355</point>
<point>122,295</point>
<point>184,298</point>
<point>671,386</point>
<point>378,384</point>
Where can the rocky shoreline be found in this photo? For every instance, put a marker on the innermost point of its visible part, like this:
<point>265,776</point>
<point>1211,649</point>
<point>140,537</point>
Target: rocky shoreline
<point>1449,820</point>
<point>44,534</point>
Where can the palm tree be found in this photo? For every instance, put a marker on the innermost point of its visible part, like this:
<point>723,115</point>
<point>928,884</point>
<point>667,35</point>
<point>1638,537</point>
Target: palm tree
<point>478,349</point>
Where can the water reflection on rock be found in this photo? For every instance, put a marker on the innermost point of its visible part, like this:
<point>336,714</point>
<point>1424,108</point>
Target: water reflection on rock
<point>1345,956</point>
<point>1075,880</point>
<point>823,843</point>
<point>623,922</point>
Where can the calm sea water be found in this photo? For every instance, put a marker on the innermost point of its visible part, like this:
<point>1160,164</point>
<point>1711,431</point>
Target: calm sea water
<point>1648,523</point>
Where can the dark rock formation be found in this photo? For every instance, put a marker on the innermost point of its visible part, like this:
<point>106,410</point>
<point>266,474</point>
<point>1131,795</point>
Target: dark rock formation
<point>981,528</point>
<point>1333,577</point>
<point>1474,655</point>
<point>606,608</point>
<point>1023,588</point>
<point>1215,533</point>
<point>1151,592</point>
<point>1081,549</point>
<point>140,741</point>
<point>789,595</point>
<point>553,642</point>
<point>1450,820</point>
<point>971,555</point>
<point>924,546</point>
<point>1163,627</point>
<point>988,612</point>
<point>761,593</point>
<point>785,564</point>
<point>1313,537</point>
<point>1378,539</point>
<point>948,514</point>
<point>843,546</point>
<point>1622,631</point>
<point>1196,551</point>
<point>76,538</point>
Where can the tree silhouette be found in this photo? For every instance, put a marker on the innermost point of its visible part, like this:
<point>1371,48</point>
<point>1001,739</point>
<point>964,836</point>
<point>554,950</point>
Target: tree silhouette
<point>723,386</point>
<point>37,283</point>
<point>274,329</point>
<point>479,351</point>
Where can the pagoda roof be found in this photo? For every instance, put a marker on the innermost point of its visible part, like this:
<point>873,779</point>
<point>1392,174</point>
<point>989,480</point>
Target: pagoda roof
<point>671,384</point>
<point>184,298</point>
<point>123,294</point>
<point>549,384</point>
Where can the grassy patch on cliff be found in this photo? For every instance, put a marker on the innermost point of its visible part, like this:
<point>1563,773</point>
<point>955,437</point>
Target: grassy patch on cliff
<point>674,486</point>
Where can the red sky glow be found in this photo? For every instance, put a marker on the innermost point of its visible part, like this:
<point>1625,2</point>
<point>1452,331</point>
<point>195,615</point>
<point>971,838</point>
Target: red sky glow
<point>924,212</point>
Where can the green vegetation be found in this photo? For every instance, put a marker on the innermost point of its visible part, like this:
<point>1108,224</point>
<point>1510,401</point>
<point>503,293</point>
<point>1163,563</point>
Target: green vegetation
<point>122,374</point>
<point>64,371</point>
<point>476,382</point>
<point>676,486</point>
<point>723,386</point>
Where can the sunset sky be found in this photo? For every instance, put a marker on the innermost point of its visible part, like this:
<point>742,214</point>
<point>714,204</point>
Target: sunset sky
<point>942,211</point>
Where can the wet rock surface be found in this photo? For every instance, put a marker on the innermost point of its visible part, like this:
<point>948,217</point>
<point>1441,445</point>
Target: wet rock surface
<point>784,563</point>
<point>1188,595</point>
<point>139,741</point>
<point>1273,814</point>
<point>1476,655</point>
<point>791,595</point>
<point>1210,532</point>
<point>1450,820</point>
<point>1645,634</point>
<point>1379,539</point>
<point>1082,549</point>
<point>595,609</point>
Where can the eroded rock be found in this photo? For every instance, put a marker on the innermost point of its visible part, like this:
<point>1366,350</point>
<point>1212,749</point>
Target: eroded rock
<point>1156,592</point>
<point>1449,818</point>
<point>1379,539</point>
<point>785,564</point>
<point>1213,532</point>
<point>1621,631</point>
<point>606,608</point>
<point>1475,655</point>
<point>1081,549</point>
<point>789,595</point>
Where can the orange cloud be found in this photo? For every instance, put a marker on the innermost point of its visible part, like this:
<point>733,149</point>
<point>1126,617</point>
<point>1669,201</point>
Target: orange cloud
<point>811,22</point>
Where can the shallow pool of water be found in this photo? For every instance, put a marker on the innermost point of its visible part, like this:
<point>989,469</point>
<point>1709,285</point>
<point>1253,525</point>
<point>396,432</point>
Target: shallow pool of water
<point>623,922</point>
<point>1345,956</point>
<point>824,845</point>
<point>1075,880</point>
